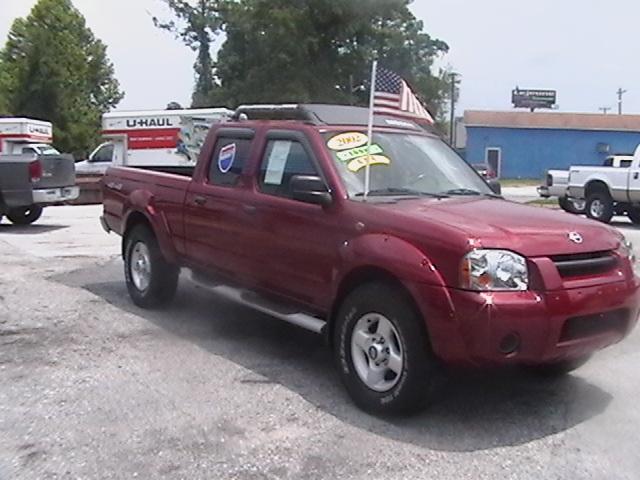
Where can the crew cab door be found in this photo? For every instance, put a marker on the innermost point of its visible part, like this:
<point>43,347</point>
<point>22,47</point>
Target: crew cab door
<point>214,218</point>
<point>634,178</point>
<point>296,244</point>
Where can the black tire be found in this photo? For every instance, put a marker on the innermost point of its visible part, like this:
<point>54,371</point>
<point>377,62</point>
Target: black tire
<point>601,199</point>
<point>634,214</point>
<point>558,369</point>
<point>419,372</point>
<point>163,276</point>
<point>25,215</point>
<point>569,206</point>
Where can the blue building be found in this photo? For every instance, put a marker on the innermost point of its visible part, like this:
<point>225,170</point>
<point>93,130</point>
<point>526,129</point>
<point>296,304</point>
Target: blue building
<point>526,145</point>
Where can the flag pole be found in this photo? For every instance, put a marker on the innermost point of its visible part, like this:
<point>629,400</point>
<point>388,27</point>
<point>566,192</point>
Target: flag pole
<point>367,172</point>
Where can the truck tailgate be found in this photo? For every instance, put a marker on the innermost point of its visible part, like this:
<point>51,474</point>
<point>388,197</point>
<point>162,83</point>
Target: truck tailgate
<point>57,171</point>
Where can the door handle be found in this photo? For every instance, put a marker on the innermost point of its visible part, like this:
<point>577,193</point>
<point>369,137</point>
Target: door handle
<point>250,209</point>
<point>198,200</point>
<point>636,175</point>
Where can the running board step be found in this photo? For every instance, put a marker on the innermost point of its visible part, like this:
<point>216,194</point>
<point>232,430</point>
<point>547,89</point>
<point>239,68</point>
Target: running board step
<point>256,302</point>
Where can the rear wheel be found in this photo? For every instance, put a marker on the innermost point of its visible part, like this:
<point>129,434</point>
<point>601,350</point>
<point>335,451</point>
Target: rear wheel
<point>25,215</point>
<point>382,350</point>
<point>571,206</point>
<point>599,207</point>
<point>151,280</point>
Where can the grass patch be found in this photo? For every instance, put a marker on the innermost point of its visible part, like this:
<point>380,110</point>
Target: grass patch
<point>545,202</point>
<point>520,182</point>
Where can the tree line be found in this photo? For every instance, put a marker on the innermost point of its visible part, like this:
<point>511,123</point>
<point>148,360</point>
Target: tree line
<point>52,67</point>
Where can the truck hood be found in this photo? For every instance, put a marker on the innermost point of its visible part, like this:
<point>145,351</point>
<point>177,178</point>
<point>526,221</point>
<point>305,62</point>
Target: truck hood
<point>495,223</point>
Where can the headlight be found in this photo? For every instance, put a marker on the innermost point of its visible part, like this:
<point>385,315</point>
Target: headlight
<point>626,250</point>
<point>487,270</point>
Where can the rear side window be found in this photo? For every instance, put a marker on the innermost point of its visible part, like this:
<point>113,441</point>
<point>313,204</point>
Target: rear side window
<point>229,157</point>
<point>282,160</point>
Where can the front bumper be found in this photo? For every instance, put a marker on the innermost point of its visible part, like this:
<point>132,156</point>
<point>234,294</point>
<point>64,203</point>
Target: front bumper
<point>55,195</point>
<point>482,328</point>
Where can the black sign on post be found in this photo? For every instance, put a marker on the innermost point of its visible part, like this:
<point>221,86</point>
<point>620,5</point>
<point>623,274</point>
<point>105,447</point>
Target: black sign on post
<point>533,99</point>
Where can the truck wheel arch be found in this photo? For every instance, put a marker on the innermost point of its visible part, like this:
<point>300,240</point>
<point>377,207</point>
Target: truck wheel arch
<point>358,277</point>
<point>372,251</point>
<point>135,218</point>
<point>596,186</point>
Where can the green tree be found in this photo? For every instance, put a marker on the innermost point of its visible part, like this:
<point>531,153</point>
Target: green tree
<point>196,25</point>
<point>321,50</point>
<point>53,68</point>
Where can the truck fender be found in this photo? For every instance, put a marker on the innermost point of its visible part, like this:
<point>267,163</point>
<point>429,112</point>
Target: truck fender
<point>141,202</point>
<point>380,256</point>
<point>399,257</point>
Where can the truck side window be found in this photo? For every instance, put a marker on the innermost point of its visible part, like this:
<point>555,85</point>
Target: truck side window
<point>229,156</point>
<point>104,154</point>
<point>282,160</point>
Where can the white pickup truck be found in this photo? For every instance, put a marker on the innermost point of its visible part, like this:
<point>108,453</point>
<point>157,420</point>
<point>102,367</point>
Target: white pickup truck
<point>556,182</point>
<point>609,190</point>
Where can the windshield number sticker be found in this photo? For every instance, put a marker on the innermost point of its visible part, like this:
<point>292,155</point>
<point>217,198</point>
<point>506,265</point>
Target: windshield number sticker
<point>347,140</point>
<point>226,157</point>
<point>359,163</point>
<point>359,152</point>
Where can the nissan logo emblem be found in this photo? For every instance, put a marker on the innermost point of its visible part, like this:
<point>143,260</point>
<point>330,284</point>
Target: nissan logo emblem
<point>575,237</point>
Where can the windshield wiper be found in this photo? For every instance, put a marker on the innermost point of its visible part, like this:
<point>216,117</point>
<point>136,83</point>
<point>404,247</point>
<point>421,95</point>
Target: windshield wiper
<point>470,193</point>
<point>398,191</point>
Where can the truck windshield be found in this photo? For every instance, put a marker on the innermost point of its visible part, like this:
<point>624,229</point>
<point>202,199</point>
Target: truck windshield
<point>403,164</point>
<point>47,150</point>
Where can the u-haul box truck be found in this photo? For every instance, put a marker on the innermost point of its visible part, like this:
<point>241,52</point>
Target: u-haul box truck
<point>152,138</point>
<point>25,135</point>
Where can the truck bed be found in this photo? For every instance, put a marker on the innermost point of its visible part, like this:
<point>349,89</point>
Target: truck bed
<point>168,185</point>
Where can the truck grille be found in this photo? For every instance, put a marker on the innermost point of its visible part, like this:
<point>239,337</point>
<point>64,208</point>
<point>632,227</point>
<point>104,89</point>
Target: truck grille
<point>615,321</point>
<point>584,264</point>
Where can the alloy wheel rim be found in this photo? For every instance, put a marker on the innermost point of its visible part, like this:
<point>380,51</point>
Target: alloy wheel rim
<point>597,208</point>
<point>140,266</point>
<point>377,352</point>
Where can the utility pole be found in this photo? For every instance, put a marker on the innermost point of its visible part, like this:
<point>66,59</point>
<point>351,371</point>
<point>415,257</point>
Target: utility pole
<point>620,93</point>
<point>452,122</point>
<point>604,110</point>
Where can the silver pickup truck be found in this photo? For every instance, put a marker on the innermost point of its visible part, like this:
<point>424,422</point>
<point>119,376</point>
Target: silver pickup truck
<point>608,190</point>
<point>29,182</point>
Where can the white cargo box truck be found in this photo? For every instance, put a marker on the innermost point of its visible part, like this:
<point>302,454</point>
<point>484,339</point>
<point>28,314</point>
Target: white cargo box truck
<point>152,138</point>
<point>25,135</point>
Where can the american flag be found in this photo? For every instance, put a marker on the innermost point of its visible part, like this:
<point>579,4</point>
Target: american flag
<point>392,96</point>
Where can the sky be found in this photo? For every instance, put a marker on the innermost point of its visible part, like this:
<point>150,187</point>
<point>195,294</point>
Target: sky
<point>584,49</point>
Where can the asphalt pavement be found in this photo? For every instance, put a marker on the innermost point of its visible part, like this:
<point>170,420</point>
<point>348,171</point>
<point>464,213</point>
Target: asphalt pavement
<point>92,387</point>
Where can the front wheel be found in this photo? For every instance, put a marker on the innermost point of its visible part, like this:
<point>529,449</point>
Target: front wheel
<point>25,215</point>
<point>382,350</point>
<point>571,206</point>
<point>151,280</point>
<point>599,207</point>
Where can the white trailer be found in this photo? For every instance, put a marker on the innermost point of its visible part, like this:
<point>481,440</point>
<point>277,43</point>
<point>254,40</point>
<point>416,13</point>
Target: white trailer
<point>152,138</point>
<point>25,135</point>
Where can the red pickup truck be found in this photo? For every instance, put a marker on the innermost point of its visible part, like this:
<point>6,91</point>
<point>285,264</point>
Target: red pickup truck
<point>431,268</point>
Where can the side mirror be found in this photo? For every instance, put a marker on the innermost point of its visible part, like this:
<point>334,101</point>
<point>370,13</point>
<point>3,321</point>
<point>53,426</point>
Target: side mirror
<point>495,186</point>
<point>310,189</point>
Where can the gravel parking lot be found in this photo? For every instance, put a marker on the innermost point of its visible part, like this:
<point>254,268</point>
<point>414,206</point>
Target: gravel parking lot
<point>93,387</point>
